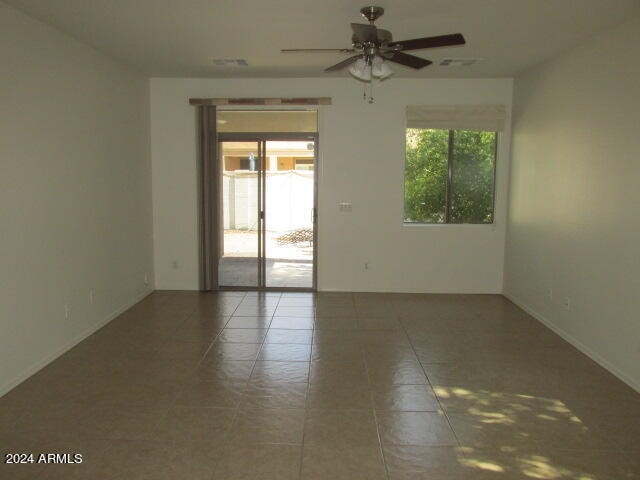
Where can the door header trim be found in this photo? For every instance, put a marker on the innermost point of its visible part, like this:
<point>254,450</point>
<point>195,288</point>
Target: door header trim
<point>260,101</point>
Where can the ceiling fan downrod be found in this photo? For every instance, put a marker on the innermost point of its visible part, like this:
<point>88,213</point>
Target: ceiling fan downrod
<point>372,13</point>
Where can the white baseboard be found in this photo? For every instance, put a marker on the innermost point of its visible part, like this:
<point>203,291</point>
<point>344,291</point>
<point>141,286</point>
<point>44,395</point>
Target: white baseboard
<point>76,340</point>
<point>593,355</point>
<point>416,292</point>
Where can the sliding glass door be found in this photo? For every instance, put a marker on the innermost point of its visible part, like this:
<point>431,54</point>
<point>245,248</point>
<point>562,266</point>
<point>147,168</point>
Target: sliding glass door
<point>268,210</point>
<point>289,213</point>
<point>239,264</point>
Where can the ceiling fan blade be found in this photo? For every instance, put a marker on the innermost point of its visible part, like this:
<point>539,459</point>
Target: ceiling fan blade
<point>430,42</point>
<point>342,64</point>
<point>407,60</point>
<point>318,50</point>
<point>365,33</point>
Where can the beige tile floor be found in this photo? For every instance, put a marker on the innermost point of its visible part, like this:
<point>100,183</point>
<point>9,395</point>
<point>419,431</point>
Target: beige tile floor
<point>324,386</point>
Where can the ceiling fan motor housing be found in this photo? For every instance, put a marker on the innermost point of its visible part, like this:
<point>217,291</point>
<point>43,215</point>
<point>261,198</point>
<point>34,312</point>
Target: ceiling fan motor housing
<point>384,38</point>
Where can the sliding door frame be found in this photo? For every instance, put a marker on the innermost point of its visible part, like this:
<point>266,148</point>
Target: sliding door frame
<point>261,139</point>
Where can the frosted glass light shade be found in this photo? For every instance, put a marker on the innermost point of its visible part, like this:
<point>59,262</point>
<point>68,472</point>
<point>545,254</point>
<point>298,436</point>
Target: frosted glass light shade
<point>361,70</point>
<point>380,68</point>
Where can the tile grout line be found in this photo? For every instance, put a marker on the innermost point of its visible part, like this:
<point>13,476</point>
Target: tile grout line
<point>444,412</point>
<point>221,330</point>
<point>301,445</point>
<point>173,403</point>
<point>375,414</point>
<point>237,408</point>
<point>306,397</point>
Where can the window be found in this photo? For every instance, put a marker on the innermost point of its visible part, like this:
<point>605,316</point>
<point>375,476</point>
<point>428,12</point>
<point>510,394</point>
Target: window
<point>449,176</point>
<point>249,163</point>
<point>304,163</point>
<point>450,162</point>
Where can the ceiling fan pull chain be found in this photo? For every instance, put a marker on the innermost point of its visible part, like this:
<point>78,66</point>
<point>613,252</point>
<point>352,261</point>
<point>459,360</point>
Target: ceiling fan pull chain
<point>371,91</point>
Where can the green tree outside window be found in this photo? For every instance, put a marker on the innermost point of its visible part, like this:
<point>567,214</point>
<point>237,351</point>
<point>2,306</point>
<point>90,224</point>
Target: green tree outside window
<point>449,176</point>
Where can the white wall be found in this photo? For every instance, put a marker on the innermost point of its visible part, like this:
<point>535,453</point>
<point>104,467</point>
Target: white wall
<point>75,192</point>
<point>361,161</point>
<point>574,225</point>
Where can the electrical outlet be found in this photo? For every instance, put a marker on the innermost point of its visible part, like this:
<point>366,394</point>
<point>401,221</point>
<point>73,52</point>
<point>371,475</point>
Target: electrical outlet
<point>92,297</point>
<point>146,279</point>
<point>566,303</point>
<point>67,312</point>
<point>550,294</point>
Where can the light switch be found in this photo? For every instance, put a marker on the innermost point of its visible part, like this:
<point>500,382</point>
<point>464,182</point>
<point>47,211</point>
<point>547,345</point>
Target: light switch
<point>344,206</point>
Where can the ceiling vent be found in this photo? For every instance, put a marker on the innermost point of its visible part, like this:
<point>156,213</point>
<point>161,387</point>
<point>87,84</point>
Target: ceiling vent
<point>230,62</point>
<point>459,62</point>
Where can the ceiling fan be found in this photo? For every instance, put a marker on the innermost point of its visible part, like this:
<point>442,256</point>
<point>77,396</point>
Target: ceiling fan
<point>374,46</point>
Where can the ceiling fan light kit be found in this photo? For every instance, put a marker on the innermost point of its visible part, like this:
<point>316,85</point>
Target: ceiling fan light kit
<point>374,48</point>
<point>361,70</point>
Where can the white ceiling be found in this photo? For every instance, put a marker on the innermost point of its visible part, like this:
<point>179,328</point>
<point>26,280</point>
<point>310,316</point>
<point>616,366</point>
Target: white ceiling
<point>181,37</point>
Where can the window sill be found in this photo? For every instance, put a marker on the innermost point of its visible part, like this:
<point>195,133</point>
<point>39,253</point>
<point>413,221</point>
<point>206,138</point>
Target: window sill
<point>474,225</point>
